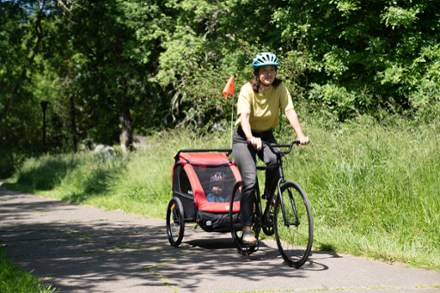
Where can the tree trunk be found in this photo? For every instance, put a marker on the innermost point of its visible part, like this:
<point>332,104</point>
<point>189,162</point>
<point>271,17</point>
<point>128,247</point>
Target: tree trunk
<point>73,125</point>
<point>126,137</point>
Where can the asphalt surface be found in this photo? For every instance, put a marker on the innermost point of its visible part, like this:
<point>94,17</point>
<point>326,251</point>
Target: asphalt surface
<point>85,249</point>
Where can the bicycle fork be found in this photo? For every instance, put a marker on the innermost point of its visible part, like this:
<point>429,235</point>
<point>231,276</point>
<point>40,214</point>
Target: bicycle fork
<point>291,201</point>
<point>281,200</point>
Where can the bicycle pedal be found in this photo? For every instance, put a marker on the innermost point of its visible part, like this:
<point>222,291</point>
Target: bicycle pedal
<point>250,245</point>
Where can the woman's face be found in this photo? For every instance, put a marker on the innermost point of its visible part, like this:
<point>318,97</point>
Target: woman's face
<point>267,74</point>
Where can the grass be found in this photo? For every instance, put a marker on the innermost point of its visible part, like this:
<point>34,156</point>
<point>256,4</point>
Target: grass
<point>375,192</point>
<point>15,280</point>
<point>373,189</point>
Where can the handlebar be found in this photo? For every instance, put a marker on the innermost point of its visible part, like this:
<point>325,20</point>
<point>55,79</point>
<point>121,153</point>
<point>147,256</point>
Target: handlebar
<point>278,148</point>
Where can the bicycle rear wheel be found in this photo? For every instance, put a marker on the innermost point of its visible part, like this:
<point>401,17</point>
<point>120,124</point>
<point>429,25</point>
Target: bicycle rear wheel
<point>236,225</point>
<point>293,224</point>
<point>175,222</point>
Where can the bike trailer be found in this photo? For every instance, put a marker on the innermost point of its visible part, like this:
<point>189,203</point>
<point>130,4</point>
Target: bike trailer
<point>195,174</point>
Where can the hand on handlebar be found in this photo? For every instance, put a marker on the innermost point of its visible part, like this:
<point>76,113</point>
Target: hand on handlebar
<point>303,140</point>
<point>255,142</point>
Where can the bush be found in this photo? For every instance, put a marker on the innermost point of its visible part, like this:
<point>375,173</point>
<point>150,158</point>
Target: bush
<point>333,102</point>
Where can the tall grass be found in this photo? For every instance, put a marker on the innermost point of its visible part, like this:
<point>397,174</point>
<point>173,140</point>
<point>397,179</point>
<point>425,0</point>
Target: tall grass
<point>374,190</point>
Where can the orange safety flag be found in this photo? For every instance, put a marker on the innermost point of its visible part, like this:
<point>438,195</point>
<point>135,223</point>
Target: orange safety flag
<point>229,87</point>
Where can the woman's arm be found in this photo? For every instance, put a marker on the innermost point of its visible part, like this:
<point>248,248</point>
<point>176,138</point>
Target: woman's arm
<point>246,127</point>
<point>292,116</point>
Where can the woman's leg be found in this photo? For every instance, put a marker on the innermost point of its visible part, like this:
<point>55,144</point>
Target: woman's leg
<point>270,159</point>
<point>245,156</point>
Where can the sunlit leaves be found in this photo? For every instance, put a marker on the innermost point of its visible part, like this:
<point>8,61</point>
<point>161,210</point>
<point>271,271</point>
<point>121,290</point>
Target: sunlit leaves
<point>398,17</point>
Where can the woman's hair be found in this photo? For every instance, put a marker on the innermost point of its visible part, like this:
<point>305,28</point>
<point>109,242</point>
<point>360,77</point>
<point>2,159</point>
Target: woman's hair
<point>255,82</point>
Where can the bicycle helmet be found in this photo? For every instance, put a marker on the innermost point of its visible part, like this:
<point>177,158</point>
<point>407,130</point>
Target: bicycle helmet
<point>217,179</point>
<point>264,59</point>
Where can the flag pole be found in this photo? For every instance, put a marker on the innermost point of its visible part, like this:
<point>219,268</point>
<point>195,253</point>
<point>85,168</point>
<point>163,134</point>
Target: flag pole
<point>229,90</point>
<point>232,118</point>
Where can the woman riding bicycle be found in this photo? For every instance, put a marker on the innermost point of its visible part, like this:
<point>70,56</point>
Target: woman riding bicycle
<point>258,106</point>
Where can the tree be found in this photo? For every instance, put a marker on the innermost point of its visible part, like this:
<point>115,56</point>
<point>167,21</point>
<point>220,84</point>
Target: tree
<point>111,69</point>
<point>363,51</point>
<point>20,115</point>
<point>107,65</point>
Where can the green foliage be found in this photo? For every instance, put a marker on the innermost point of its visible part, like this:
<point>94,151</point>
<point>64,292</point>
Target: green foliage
<point>20,114</point>
<point>426,73</point>
<point>399,17</point>
<point>13,279</point>
<point>336,103</point>
<point>113,67</point>
<point>362,47</point>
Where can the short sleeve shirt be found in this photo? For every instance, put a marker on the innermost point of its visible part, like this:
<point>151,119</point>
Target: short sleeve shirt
<point>263,109</point>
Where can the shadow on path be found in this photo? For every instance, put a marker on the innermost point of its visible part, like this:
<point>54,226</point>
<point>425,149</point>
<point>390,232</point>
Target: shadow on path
<point>81,248</point>
<point>85,249</point>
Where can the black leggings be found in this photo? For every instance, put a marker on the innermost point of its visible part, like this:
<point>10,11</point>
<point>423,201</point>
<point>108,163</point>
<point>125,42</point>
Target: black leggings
<point>245,157</point>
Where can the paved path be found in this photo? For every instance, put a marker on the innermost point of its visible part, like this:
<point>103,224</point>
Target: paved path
<point>85,249</point>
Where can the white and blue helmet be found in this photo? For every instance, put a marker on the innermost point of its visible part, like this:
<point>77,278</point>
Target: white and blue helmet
<point>264,59</point>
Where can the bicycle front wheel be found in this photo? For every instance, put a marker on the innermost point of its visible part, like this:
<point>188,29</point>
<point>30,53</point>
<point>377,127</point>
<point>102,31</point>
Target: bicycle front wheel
<point>293,224</point>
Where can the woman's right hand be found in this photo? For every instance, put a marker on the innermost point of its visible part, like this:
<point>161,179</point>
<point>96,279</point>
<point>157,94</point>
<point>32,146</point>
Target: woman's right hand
<point>256,142</point>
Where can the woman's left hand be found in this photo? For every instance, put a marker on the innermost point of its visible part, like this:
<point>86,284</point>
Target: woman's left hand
<point>303,140</point>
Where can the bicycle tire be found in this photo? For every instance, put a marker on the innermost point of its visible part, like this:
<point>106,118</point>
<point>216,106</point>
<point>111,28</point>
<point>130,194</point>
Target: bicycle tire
<point>295,237</point>
<point>175,222</point>
<point>236,226</point>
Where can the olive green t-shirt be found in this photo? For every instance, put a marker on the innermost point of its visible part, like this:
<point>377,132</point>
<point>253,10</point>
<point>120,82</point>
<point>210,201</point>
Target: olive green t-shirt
<point>263,109</point>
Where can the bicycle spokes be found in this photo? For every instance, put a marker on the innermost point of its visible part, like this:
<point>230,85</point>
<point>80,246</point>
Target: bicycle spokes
<point>236,225</point>
<point>293,225</point>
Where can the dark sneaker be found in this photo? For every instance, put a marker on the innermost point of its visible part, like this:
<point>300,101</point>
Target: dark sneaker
<point>248,238</point>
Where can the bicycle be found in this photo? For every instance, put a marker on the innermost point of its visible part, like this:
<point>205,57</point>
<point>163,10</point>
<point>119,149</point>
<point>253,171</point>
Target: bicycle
<point>287,215</point>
